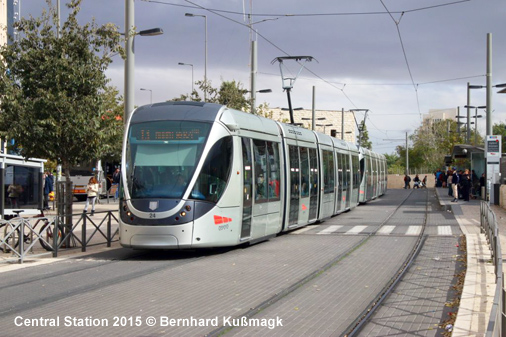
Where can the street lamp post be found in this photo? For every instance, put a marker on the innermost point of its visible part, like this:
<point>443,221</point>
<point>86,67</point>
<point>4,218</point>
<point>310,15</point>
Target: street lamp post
<point>324,125</point>
<point>191,65</point>
<point>150,94</point>
<point>488,108</point>
<point>205,52</point>
<point>130,56</point>
<point>253,100</point>
<point>476,116</point>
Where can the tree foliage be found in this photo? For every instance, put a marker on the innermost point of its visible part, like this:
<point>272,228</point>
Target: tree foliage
<point>230,93</point>
<point>431,143</point>
<point>364,137</point>
<point>52,89</point>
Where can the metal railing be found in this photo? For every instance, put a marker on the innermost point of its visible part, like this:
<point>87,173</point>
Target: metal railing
<point>19,236</point>
<point>103,230</point>
<point>489,226</point>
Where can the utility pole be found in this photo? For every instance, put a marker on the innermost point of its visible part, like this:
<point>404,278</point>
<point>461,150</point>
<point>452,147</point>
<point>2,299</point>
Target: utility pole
<point>313,109</point>
<point>342,123</point>
<point>407,155</point>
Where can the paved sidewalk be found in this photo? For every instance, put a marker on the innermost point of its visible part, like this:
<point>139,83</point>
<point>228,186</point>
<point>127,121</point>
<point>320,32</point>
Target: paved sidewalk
<point>479,285</point>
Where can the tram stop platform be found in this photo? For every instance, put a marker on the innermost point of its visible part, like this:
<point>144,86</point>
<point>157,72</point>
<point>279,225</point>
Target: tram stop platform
<point>479,285</point>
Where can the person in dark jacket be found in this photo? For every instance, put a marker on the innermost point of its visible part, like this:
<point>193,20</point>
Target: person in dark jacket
<point>466,185</point>
<point>48,188</point>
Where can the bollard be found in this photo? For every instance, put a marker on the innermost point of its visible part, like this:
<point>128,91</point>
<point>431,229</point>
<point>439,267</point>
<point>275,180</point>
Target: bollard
<point>83,233</point>
<point>109,239</point>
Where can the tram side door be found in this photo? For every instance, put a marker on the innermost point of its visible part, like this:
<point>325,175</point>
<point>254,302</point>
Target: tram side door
<point>247,188</point>
<point>315,185</point>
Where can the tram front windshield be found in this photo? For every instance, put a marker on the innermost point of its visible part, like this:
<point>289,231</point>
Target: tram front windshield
<point>161,157</point>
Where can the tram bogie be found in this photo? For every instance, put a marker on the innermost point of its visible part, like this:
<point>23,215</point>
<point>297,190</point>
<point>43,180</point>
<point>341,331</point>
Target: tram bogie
<point>202,175</point>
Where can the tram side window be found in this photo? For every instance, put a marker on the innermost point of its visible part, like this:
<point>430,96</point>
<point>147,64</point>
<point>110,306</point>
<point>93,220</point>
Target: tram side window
<point>304,168</point>
<point>314,171</point>
<point>340,169</point>
<point>273,183</point>
<point>356,170</point>
<point>260,157</point>
<point>328,168</point>
<point>215,172</point>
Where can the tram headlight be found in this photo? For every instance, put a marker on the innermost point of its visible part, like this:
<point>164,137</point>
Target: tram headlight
<point>183,213</point>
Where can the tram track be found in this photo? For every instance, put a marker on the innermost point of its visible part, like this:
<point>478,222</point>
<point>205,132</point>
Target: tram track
<point>220,331</point>
<point>357,325</point>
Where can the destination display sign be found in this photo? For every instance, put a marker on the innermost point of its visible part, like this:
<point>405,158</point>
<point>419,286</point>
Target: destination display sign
<point>156,134</point>
<point>493,148</point>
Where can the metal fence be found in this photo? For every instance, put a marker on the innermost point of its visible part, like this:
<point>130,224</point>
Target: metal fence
<point>497,320</point>
<point>32,237</point>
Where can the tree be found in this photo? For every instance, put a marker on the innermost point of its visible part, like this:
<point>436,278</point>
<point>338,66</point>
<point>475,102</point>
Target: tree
<point>364,137</point>
<point>431,143</point>
<point>500,129</point>
<point>112,125</point>
<point>52,89</point>
<point>231,94</point>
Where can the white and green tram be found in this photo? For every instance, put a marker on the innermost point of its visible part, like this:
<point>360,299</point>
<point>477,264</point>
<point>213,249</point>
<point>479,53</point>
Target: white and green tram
<point>203,175</point>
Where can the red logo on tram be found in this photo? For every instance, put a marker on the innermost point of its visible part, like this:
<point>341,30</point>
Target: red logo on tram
<point>218,220</point>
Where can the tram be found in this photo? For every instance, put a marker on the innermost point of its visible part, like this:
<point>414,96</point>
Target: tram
<point>203,175</point>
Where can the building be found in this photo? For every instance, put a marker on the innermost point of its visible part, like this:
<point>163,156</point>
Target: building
<point>437,115</point>
<point>326,121</point>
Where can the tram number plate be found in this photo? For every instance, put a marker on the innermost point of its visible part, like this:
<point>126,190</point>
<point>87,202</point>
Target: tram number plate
<point>223,227</point>
<point>152,215</point>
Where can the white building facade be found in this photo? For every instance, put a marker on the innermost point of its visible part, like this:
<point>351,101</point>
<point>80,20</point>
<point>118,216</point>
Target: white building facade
<point>325,121</point>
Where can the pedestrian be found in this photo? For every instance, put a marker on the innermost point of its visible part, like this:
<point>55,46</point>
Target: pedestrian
<point>416,181</point>
<point>466,185</point>
<point>455,185</point>
<point>407,180</point>
<point>424,182</point>
<point>48,188</point>
<point>116,177</point>
<point>92,191</point>
<point>449,182</point>
<point>437,174</point>
<point>475,185</point>
<point>482,183</point>
<point>443,178</point>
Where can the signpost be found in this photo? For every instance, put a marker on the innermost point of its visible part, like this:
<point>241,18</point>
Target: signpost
<point>493,156</point>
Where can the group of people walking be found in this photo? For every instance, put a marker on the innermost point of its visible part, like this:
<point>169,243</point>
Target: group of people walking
<point>462,184</point>
<point>417,182</point>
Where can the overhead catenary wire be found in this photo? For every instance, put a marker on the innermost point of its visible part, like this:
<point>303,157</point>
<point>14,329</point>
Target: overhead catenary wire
<point>308,14</point>
<point>330,83</point>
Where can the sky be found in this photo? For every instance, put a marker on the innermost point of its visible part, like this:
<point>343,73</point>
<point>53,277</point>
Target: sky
<point>397,58</point>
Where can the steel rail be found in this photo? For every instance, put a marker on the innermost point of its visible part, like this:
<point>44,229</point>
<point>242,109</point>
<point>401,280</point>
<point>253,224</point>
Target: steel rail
<point>359,323</point>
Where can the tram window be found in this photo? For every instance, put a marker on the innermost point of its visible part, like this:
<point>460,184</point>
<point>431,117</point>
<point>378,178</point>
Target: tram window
<point>328,172</point>
<point>273,177</point>
<point>215,172</point>
<point>304,168</point>
<point>314,171</point>
<point>260,159</point>
<point>356,170</point>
